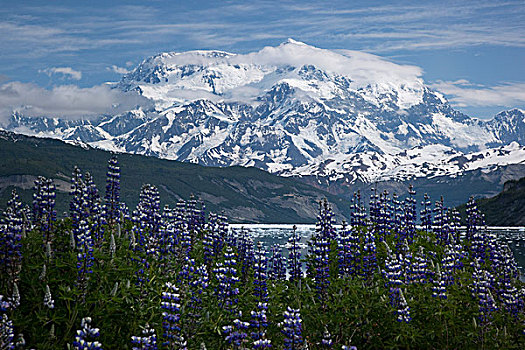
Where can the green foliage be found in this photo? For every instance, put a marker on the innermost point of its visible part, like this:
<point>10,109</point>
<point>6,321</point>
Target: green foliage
<point>505,209</point>
<point>357,313</point>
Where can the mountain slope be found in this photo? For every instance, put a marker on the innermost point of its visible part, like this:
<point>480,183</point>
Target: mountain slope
<point>296,110</point>
<point>244,194</point>
<point>508,207</point>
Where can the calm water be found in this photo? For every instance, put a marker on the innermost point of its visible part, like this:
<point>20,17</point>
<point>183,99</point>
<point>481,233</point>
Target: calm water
<point>270,234</point>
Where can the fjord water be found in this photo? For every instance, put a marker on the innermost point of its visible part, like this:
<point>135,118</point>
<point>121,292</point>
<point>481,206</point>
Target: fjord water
<point>270,234</point>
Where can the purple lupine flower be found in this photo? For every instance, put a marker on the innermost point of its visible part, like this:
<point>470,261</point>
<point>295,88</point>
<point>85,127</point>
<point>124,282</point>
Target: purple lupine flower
<point>180,214</point>
<point>217,230</point>
<point>325,225</point>
<point>439,289</point>
<point>139,243</point>
<point>373,210</point>
<point>10,241</point>
<point>320,253</point>
<point>196,214</point>
<point>7,332</point>
<point>112,198</point>
<point>184,228</point>
<point>369,257</point>
<point>294,257</point>
<point>95,210</point>
<point>187,270</point>
<point>148,209</point>
<point>198,284</point>
<point>192,217</point>
<point>510,297</point>
<point>207,241</point>
<point>358,211</point>
<point>148,340</point>
<point>406,263</point>
<point>409,217</point>
<point>326,341</point>
<point>343,251</point>
<point>440,223</point>
<point>194,280</point>
<point>354,251</point>
<point>418,271</point>
<point>226,275</point>
<point>393,274</point>
<point>260,276</point>
<point>506,271</point>
<point>349,251</point>
<point>171,304</point>
<point>5,304</point>
<point>383,223</point>
<point>78,206</point>
<point>124,212</point>
<point>236,333</point>
<point>44,213</point>
<point>85,338</point>
<point>403,311</point>
<point>166,241</point>
<point>244,245</point>
<point>475,234</point>
<point>183,236</point>
<point>481,282</point>
<point>168,215</point>
<point>148,222</point>
<point>426,213</point>
<point>473,219</point>
<point>479,245</point>
<point>292,329</point>
<point>396,219</point>
<point>277,267</point>
<point>259,322</point>
<point>449,262</point>
<point>454,226</point>
<point>85,258</point>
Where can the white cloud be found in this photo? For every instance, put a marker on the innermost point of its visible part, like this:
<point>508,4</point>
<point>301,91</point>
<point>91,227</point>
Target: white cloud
<point>463,93</point>
<point>65,101</point>
<point>64,71</point>
<point>118,70</point>
<point>362,68</point>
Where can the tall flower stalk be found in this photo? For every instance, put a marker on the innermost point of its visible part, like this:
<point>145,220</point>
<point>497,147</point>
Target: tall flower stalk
<point>112,197</point>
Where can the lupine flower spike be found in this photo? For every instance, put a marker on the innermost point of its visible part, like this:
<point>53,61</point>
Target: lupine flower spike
<point>85,338</point>
<point>48,299</point>
<point>292,329</point>
<point>148,340</point>
<point>112,197</point>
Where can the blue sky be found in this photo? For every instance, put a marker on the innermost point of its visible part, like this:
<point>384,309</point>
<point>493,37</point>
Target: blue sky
<point>473,51</point>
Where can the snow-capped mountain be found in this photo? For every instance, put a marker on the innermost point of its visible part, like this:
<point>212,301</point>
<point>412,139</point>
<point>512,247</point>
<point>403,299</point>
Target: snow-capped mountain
<point>296,110</point>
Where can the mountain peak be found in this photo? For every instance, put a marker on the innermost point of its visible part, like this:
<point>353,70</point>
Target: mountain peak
<point>180,77</point>
<point>295,42</point>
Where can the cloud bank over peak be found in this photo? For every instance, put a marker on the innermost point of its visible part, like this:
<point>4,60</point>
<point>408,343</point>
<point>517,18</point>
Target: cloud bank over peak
<point>65,101</point>
<point>362,67</point>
